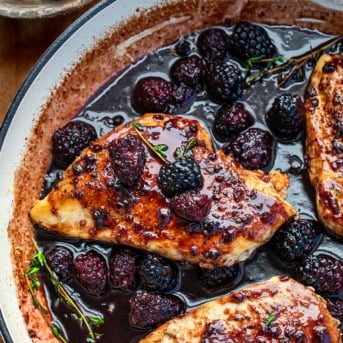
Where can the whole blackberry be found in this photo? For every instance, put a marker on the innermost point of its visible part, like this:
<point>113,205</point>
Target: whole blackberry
<point>180,176</point>
<point>253,149</point>
<point>128,159</point>
<point>223,82</point>
<point>249,40</point>
<point>286,118</point>
<point>123,269</point>
<point>188,70</point>
<point>157,274</point>
<point>191,205</point>
<point>230,120</point>
<point>218,276</point>
<point>295,239</point>
<point>91,272</point>
<point>322,272</point>
<point>212,44</point>
<point>70,140</point>
<point>149,309</point>
<point>60,260</point>
<point>152,94</point>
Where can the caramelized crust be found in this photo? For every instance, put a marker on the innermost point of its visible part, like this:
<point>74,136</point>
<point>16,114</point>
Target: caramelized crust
<point>266,312</point>
<point>247,207</point>
<point>324,140</point>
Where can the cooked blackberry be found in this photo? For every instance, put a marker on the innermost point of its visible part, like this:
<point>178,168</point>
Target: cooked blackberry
<point>91,272</point>
<point>60,260</point>
<point>188,70</point>
<point>149,309</point>
<point>152,94</point>
<point>286,118</point>
<point>191,205</point>
<point>217,277</point>
<point>295,239</point>
<point>123,269</point>
<point>230,120</point>
<point>335,306</point>
<point>223,82</point>
<point>212,44</point>
<point>128,159</point>
<point>249,40</point>
<point>70,140</point>
<point>183,47</point>
<point>253,149</point>
<point>180,176</point>
<point>182,98</point>
<point>157,274</point>
<point>323,272</point>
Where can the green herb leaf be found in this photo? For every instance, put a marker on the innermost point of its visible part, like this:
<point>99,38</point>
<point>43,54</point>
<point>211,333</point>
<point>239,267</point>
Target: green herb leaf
<point>178,153</point>
<point>31,271</point>
<point>97,320</point>
<point>270,318</point>
<point>137,126</point>
<point>55,330</point>
<point>35,282</point>
<point>160,149</point>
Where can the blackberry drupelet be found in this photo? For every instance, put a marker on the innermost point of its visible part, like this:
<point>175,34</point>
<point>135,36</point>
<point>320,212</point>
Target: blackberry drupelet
<point>295,239</point>
<point>218,277</point>
<point>70,140</point>
<point>253,149</point>
<point>60,260</point>
<point>123,269</point>
<point>223,82</point>
<point>91,272</point>
<point>213,43</point>
<point>157,273</point>
<point>249,40</point>
<point>149,309</point>
<point>191,205</point>
<point>230,120</point>
<point>128,159</point>
<point>323,272</point>
<point>189,71</point>
<point>180,176</point>
<point>286,118</point>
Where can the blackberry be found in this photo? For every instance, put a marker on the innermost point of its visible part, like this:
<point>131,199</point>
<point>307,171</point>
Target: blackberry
<point>91,272</point>
<point>230,120</point>
<point>60,260</point>
<point>218,277</point>
<point>253,149</point>
<point>149,309</point>
<point>180,176</point>
<point>123,269</point>
<point>295,239</point>
<point>249,40</point>
<point>322,272</point>
<point>223,82</point>
<point>128,159</point>
<point>152,94</point>
<point>157,274</point>
<point>192,206</point>
<point>70,140</point>
<point>189,71</point>
<point>335,306</point>
<point>286,118</point>
<point>212,44</point>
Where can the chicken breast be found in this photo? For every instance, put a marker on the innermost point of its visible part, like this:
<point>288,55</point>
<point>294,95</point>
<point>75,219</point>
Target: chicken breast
<point>324,139</point>
<point>246,207</point>
<point>278,310</point>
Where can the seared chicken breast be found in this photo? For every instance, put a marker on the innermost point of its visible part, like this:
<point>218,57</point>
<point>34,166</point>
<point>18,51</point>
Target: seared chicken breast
<point>247,207</point>
<point>324,139</point>
<point>278,310</point>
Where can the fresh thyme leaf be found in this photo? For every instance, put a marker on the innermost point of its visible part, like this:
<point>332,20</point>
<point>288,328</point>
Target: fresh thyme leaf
<point>270,318</point>
<point>31,271</point>
<point>178,153</point>
<point>137,126</point>
<point>57,302</point>
<point>55,330</point>
<point>160,149</point>
<point>35,282</point>
<point>97,320</point>
<point>191,144</point>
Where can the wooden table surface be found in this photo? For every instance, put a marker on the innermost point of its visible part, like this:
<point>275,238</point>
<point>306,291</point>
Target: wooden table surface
<point>22,42</point>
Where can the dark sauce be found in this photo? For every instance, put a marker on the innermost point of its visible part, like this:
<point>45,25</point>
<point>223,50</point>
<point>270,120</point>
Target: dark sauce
<point>114,100</point>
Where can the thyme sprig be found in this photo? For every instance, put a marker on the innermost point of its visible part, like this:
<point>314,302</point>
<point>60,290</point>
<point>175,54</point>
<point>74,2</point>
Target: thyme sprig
<point>186,152</point>
<point>32,274</point>
<point>158,149</point>
<point>270,318</point>
<point>284,65</point>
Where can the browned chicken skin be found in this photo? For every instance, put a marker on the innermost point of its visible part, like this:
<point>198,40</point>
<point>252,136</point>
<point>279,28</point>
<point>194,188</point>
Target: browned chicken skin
<point>324,139</point>
<point>278,310</point>
<point>247,207</point>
